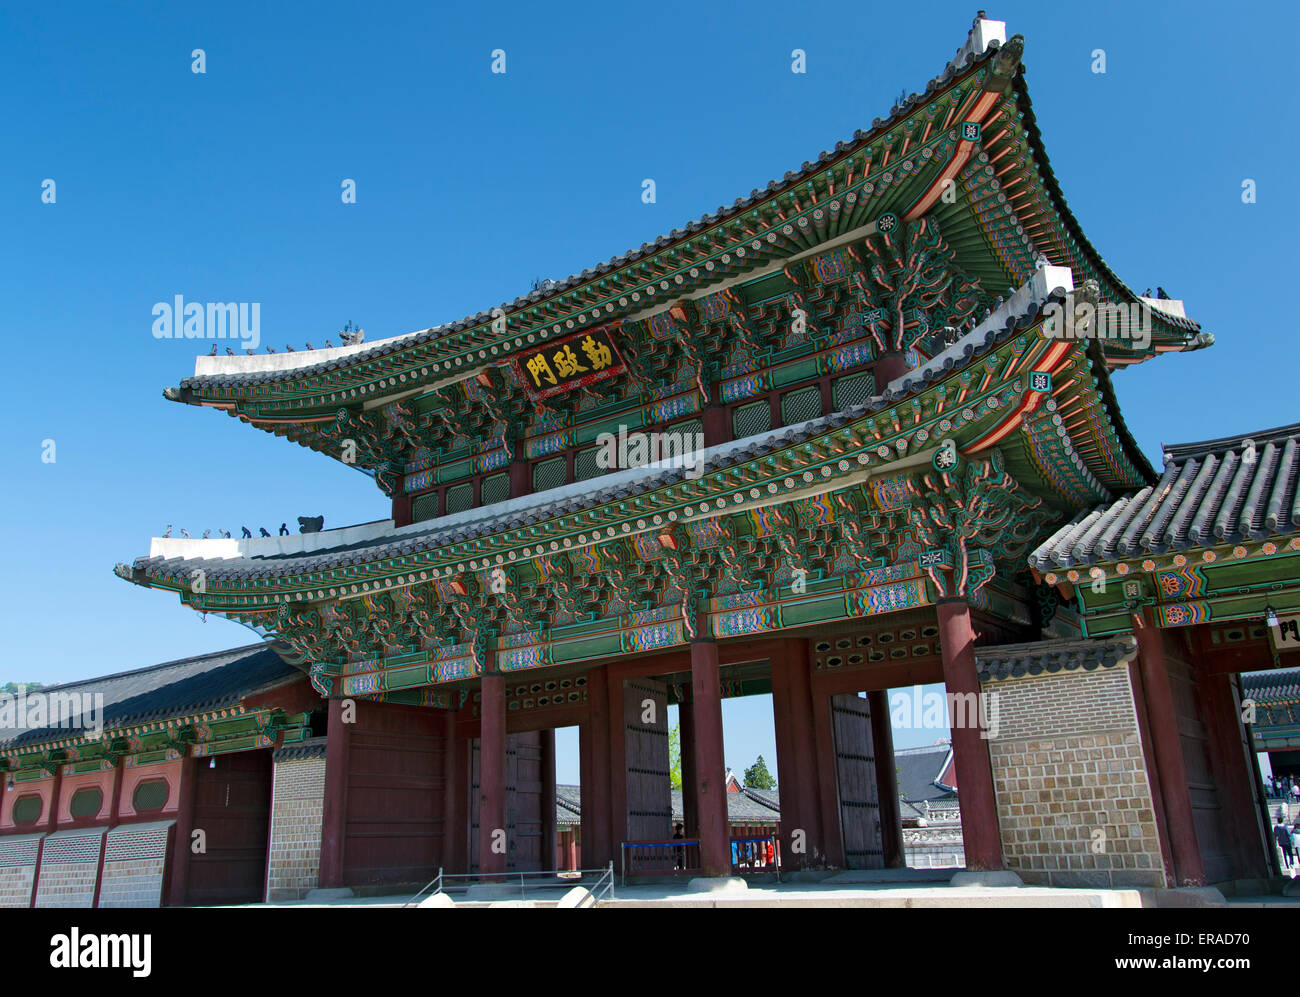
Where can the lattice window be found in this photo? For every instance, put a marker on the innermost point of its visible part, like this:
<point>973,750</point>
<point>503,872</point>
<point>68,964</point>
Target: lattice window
<point>150,794</point>
<point>86,802</point>
<point>749,420</point>
<point>549,473</point>
<point>852,390</point>
<point>584,464</point>
<point>460,497</point>
<point>424,507</point>
<point>494,488</point>
<point>27,809</point>
<point>802,405</point>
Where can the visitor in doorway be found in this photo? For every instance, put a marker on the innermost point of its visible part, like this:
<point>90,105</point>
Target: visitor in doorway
<point>1282,835</point>
<point>678,835</point>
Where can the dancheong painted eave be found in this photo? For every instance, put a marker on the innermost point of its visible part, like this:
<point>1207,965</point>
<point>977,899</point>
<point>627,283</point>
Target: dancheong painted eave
<point>1241,493</point>
<point>757,233</point>
<point>878,436</point>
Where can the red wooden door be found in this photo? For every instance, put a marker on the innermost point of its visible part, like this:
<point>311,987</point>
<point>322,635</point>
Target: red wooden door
<point>232,806</point>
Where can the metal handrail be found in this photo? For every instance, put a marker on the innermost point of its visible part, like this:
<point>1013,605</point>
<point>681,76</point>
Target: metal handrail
<point>604,881</point>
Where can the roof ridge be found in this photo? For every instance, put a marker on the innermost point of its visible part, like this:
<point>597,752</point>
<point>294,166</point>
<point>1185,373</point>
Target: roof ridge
<point>1204,448</point>
<point>63,686</point>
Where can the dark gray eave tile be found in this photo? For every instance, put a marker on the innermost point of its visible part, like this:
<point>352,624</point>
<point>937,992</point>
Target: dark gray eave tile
<point>979,341</point>
<point>1210,494</point>
<point>740,205</point>
<point>1052,657</point>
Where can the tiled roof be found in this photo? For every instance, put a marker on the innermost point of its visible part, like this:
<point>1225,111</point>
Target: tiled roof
<point>964,63</point>
<point>199,684</point>
<point>1052,656</point>
<point>1276,686</point>
<point>311,748</point>
<point>1211,493</point>
<point>918,768</point>
<point>1021,311</point>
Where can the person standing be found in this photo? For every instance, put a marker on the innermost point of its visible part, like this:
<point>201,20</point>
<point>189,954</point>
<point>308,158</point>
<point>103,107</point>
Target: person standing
<point>1282,835</point>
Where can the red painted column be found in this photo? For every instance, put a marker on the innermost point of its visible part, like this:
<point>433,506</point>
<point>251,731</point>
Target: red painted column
<point>334,812</point>
<point>686,743</point>
<point>455,802</point>
<point>1168,747</point>
<point>492,774</point>
<point>889,367</point>
<point>183,830</point>
<point>1153,772</point>
<point>616,753</point>
<point>51,825</point>
<point>402,510</point>
<point>521,475</point>
<point>550,857</point>
<point>796,756</point>
<point>981,835</point>
<point>593,741</point>
<point>882,742</point>
<point>827,778</point>
<point>710,764</point>
<point>713,424</point>
<point>114,806</point>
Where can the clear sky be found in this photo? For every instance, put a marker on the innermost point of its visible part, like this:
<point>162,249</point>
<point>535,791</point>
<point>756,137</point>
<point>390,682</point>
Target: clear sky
<point>225,186</point>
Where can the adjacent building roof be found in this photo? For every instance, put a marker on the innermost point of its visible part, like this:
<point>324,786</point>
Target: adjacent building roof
<point>1272,687</point>
<point>1015,660</point>
<point>919,773</point>
<point>1214,492</point>
<point>201,684</point>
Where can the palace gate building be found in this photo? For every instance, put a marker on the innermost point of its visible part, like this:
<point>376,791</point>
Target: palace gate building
<point>898,361</point>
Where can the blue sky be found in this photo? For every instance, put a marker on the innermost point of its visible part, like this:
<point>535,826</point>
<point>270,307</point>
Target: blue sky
<point>226,186</point>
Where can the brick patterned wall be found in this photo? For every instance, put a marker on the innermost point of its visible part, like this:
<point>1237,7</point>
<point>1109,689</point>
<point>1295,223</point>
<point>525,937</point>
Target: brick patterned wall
<point>1067,762</point>
<point>69,866</point>
<point>296,811</point>
<point>135,859</point>
<point>17,869</point>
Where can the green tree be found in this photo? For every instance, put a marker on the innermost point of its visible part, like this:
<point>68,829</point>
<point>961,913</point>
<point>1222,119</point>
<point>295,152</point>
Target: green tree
<point>12,687</point>
<point>675,756</point>
<point>758,777</point>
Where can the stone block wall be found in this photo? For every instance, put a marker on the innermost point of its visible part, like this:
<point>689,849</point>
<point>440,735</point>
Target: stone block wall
<point>297,806</point>
<point>135,862</point>
<point>69,868</point>
<point>18,869</point>
<point>1073,794</point>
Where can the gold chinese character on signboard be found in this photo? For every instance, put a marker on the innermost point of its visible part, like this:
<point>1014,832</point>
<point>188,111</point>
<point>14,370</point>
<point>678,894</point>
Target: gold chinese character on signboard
<point>597,353</point>
<point>566,363</point>
<point>539,368</point>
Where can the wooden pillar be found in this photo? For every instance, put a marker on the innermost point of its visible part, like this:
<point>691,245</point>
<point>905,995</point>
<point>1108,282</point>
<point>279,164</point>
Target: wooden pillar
<point>1153,773</point>
<point>710,765</point>
<point>492,776</point>
<point>114,805</point>
<point>51,825</point>
<point>1167,743</point>
<point>455,802</point>
<point>981,836</point>
<point>550,856</point>
<point>182,832</point>
<point>889,367</point>
<point>334,812</point>
<point>593,741</point>
<point>713,423</point>
<point>521,475</point>
<point>827,779</point>
<point>891,818</point>
<point>402,510</point>
<point>616,753</point>
<point>796,757</point>
<point>686,743</point>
